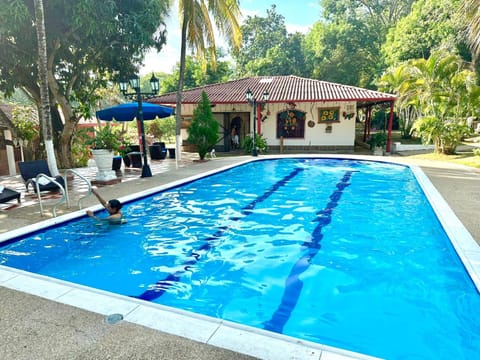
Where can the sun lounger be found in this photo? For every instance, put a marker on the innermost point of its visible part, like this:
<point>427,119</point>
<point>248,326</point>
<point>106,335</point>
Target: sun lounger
<point>30,171</point>
<point>7,194</point>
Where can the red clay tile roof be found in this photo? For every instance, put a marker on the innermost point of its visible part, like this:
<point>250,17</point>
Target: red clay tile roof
<point>281,89</point>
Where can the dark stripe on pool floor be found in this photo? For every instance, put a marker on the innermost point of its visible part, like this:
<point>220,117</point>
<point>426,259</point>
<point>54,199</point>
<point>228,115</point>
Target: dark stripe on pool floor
<point>162,286</point>
<point>293,284</point>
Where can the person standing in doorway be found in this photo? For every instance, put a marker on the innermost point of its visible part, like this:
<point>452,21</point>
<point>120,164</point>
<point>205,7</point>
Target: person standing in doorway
<point>236,141</point>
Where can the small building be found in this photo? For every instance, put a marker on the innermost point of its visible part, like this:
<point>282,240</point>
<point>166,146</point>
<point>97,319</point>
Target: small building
<point>300,114</point>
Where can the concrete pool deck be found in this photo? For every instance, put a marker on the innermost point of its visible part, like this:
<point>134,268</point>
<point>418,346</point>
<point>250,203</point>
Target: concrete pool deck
<point>33,327</point>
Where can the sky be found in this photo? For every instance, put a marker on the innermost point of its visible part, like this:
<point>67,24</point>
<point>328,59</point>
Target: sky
<point>299,15</point>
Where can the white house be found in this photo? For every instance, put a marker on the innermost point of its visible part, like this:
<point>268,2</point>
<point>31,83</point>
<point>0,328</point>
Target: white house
<point>300,114</point>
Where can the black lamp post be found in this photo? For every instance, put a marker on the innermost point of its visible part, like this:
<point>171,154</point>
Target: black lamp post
<point>253,102</point>
<point>135,85</point>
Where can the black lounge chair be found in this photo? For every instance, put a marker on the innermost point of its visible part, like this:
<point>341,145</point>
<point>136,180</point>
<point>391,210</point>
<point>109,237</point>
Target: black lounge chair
<point>7,194</point>
<point>158,151</point>
<point>31,169</point>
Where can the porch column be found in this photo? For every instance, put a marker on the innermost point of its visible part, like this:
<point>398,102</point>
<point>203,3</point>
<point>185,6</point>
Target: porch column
<point>259,118</point>
<point>10,154</point>
<point>390,124</point>
<point>368,118</point>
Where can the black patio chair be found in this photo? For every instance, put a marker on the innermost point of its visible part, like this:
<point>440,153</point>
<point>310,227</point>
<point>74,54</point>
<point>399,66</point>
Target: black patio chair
<point>158,151</point>
<point>135,156</point>
<point>126,158</point>
<point>7,194</point>
<point>31,169</point>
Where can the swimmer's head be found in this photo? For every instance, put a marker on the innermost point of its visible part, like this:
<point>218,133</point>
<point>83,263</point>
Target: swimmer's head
<point>115,205</point>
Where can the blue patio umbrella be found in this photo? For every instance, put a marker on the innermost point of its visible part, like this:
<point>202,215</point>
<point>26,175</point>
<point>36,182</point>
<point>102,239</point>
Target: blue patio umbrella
<point>140,111</point>
<point>129,111</point>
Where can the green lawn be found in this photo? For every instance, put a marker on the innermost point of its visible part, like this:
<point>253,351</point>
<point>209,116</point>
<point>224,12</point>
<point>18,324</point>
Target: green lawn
<point>464,157</point>
<point>467,158</point>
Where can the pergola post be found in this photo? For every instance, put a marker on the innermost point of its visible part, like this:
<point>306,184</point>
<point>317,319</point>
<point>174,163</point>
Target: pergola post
<point>390,124</point>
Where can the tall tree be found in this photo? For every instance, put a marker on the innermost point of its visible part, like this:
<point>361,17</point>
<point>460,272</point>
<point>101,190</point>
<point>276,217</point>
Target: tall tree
<point>45,119</point>
<point>197,31</point>
<point>86,41</point>
<point>351,36</point>
<point>430,25</point>
<point>196,75</point>
<point>471,12</point>
<point>259,36</point>
<point>339,56</point>
<point>268,48</point>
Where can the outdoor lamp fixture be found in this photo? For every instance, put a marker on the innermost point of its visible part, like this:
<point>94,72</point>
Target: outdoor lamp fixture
<point>135,85</point>
<point>253,102</point>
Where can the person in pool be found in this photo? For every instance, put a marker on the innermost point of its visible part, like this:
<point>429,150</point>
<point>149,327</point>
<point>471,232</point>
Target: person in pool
<point>114,208</point>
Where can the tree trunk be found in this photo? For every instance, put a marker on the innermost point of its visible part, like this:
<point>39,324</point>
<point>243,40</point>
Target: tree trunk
<point>181,79</point>
<point>45,116</point>
<point>65,145</point>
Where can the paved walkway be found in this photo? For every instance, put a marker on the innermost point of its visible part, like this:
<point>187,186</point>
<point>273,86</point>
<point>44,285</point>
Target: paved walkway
<point>35,328</point>
<point>130,182</point>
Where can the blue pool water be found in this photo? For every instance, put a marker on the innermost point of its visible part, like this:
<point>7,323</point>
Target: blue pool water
<point>340,252</point>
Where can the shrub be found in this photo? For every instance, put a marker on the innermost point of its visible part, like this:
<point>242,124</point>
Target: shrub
<point>203,131</point>
<point>261,144</point>
<point>378,139</point>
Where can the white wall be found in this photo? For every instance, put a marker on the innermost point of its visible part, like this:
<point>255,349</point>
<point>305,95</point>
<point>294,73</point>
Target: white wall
<point>343,132</point>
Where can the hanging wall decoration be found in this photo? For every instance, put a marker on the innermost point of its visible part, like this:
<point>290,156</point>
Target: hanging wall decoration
<point>328,115</point>
<point>291,124</point>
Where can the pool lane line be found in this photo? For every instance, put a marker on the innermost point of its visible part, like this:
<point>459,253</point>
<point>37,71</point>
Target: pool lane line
<point>293,284</point>
<point>162,286</point>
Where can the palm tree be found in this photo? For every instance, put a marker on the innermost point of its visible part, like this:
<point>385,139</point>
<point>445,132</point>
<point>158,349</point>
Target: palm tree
<point>471,11</point>
<point>198,33</point>
<point>45,118</point>
<point>444,89</point>
<point>395,80</point>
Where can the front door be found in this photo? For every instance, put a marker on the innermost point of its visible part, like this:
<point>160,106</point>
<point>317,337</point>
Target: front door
<point>233,129</point>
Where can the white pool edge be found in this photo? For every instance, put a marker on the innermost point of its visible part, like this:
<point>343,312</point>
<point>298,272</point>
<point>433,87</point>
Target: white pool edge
<point>464,244</point>
<point>216,332</point>
<point>224,334</point>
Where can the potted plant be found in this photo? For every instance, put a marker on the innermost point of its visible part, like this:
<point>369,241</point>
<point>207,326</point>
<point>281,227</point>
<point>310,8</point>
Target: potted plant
<point>103,145</point>
<point>377,142</point>
<point>105,139</point>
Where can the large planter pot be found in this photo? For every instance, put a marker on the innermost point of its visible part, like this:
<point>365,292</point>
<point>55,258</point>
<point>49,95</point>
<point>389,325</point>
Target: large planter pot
<point>378,150</point>
<point>103,160</point>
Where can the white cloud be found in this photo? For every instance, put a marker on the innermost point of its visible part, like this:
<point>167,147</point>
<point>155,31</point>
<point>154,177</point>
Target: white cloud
<point>292,28</point>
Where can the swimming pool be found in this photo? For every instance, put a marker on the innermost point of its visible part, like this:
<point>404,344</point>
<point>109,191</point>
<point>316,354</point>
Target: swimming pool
<point>346,262</point>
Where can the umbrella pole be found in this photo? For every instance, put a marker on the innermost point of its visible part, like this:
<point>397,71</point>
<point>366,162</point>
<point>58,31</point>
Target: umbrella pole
<point>146,172</point>
<point>177,152</point>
